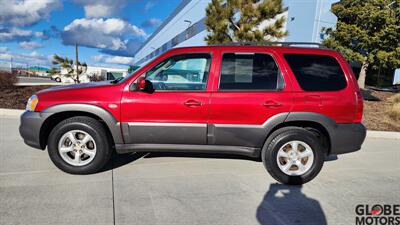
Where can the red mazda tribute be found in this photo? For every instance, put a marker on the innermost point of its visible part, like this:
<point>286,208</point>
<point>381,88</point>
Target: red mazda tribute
<point>289,106</point>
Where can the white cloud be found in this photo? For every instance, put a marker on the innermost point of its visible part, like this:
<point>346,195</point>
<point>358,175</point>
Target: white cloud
<point>97,10</point>
<point>122,60</point>
<point>25,58</point>
<point>109,34</point>
<point>3,49</point>
<point>152,22</point>
<point>15,34</point>
<point>101,8</point>
<point>97,58</point>
<point>149,4</point>
<point>27,12</point>
<point>30,45</point>
<point>35,54</point>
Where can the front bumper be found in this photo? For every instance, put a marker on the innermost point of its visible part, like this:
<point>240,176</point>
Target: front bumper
<point>29,129</point>
<point>347,138</point>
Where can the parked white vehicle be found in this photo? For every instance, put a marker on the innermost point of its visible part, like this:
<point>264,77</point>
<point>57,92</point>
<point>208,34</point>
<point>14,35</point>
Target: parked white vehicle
<point>56,77</point>
<point>63,78</point>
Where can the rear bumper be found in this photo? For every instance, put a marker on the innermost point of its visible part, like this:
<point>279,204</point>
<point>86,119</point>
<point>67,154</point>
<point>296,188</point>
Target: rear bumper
<point>29,129</point>
<point>347,138</point>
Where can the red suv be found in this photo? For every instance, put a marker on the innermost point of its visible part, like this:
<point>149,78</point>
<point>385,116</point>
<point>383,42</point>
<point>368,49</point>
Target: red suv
<point>289,106</point>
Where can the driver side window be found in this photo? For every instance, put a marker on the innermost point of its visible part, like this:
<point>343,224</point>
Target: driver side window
<point>181,72</point>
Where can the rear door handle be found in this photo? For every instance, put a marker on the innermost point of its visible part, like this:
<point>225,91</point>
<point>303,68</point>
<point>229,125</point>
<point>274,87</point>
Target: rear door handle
<point>192,103</point>
<point>272,104</point>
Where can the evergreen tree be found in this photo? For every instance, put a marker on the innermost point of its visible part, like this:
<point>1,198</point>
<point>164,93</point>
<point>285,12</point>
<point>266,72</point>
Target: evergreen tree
<point>240,20</point>
<point>368,32</point>
<point>68,64</point>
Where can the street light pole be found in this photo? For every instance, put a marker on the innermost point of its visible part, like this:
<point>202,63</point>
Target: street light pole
<point>76,61</point>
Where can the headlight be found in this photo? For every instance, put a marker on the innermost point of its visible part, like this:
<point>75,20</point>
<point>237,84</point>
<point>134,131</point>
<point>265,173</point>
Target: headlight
<point>32,103</point>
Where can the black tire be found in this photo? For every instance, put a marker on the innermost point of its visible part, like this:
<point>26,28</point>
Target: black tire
<point>90,126</point>
<point>57,79</point>
<point>282,136</point>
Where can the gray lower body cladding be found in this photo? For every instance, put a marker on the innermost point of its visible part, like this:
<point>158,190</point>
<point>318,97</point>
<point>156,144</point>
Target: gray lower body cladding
<point>165,133</point>
<point>232,138</point>
<point>29,129</point>
<point>32,122</point>
<point>222,149</point>
<point>212,138</point>
<point>347,138</point>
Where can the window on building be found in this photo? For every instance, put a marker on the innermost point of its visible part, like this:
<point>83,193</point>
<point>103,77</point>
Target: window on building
<point>316,72</point>
<point>249,71</point>
<point>175,40</point>
<point>182,37</point>
<point>201,26</point>
<point>181,72</point>
<point>191,31</point>
<point>164,47</point>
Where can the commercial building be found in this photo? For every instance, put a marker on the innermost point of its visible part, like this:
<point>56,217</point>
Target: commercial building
<point>107,73</point>
<point>185,26</point>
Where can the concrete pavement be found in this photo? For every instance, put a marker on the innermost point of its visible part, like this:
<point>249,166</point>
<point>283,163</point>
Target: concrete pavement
<point>189,188</point>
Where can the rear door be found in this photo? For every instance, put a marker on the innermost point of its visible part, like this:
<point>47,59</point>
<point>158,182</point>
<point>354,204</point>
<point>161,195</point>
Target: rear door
<point>250,89</point>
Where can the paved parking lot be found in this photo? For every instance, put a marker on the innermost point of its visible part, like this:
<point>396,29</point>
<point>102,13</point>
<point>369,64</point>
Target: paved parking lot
<point>189,189</point>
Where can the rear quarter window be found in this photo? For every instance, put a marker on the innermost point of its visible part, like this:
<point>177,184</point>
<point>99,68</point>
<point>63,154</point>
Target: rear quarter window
<point>316,72</point>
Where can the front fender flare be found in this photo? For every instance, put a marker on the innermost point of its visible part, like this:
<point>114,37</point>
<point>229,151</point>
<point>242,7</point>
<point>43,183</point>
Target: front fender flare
<point>112,124</point>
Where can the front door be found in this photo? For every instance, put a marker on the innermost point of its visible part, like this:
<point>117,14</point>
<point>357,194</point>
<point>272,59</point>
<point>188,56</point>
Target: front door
<point>176,112</point>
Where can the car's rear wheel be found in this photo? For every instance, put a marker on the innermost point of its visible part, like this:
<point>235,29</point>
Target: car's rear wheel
<point>57,79</point>
<point>293,155</point>
<point>79,145</point>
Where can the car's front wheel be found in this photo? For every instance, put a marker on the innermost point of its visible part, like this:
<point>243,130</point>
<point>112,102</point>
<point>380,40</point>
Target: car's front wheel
<point>79,145</point>
<point>293,155</point>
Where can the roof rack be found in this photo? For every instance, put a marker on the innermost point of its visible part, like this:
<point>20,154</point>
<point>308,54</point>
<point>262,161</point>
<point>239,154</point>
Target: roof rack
<point>285,44</point>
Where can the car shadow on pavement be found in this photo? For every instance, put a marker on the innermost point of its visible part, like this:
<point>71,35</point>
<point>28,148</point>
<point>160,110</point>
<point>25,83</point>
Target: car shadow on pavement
<point>118,160</point>
<point>286,204</point>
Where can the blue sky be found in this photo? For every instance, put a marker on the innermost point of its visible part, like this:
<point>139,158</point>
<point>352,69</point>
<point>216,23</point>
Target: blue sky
<point>108,31</point>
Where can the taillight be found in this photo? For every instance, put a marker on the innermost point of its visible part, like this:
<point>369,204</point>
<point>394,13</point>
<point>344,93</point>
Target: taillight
<point>359,112</point>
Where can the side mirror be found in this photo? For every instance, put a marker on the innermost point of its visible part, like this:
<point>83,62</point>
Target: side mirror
<point>141,84</point>
<point>145,85</point>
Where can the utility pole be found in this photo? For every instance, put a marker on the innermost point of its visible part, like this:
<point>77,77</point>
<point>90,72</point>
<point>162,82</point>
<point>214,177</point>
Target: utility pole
<point>11,62</point>
<point>76,61</point>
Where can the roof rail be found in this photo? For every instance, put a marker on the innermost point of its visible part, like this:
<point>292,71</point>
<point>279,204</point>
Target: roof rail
<point>285,44</point>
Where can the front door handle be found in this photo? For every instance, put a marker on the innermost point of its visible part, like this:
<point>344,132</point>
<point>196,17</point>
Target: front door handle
<point>272,104</point>
<point>192,103</point>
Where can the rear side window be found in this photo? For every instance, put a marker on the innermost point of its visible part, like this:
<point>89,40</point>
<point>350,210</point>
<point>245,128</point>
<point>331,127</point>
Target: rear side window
<point>316,72</point>
<point>248,71</point>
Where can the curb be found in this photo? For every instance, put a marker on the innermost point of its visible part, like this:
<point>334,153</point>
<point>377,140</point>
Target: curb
<point>383,134</point>
<point>11,112</point>
<point>370,133</point>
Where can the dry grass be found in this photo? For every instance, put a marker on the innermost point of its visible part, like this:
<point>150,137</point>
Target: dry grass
<point>376,116</point>
<point>16,97</point>
<point>7,80</point>
<point>393,110</point>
